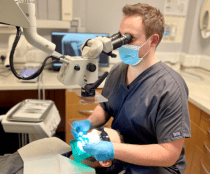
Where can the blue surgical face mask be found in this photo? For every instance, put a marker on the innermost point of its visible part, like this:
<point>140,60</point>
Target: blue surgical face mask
<point>129,54</point>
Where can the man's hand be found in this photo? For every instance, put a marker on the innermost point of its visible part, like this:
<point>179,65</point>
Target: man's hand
<point>102,151</point>
<point>81,126</point>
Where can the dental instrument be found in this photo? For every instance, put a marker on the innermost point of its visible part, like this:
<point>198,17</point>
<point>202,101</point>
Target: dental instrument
<point>78,134</point>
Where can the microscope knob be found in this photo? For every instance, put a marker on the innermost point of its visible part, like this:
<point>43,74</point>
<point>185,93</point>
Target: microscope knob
<point>77,67</point>
<point>91,67</point>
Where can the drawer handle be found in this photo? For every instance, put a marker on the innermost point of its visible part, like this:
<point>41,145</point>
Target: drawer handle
<point>204,170</point>
<point>85,111</point>
<point>206,148</point>
<point>208,134</point>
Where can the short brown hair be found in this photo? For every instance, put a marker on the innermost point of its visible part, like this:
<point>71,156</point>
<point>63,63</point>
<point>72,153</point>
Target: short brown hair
<point>153,19</point>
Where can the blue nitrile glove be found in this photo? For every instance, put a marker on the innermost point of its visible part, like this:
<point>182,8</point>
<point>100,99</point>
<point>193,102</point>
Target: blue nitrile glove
<point>81,126</point>
<point>102,150</point>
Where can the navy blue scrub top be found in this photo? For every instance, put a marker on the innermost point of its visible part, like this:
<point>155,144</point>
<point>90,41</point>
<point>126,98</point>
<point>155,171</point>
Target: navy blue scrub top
<point>153,109</point>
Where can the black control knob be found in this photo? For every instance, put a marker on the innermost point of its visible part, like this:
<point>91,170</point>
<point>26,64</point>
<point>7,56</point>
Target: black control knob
<point>91,67</point>
<point>77,67</point>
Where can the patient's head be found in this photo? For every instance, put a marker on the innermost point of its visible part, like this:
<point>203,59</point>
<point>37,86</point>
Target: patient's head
<point>109,166</point>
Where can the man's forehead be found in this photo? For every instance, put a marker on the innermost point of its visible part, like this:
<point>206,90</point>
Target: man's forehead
<point>133,24</point>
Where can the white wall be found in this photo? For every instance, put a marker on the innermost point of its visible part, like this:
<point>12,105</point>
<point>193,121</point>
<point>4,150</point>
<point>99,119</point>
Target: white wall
<point>104,17</point>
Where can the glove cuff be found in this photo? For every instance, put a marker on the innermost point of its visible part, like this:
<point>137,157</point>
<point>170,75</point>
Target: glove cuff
<point>111,147</point>
<point>88,123</point>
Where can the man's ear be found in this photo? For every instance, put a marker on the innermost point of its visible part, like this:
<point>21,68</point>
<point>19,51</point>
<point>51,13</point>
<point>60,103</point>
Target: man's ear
<point>155,38</point>
<point>106,163</point>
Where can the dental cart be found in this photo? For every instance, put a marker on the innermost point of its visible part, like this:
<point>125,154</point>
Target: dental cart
<point>38,118</point>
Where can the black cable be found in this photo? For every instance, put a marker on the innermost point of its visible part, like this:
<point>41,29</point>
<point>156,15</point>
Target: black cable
<point>51,62</point>
<point>38,72</point>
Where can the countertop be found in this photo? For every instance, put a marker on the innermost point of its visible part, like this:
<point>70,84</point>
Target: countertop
<point>49,81</point>
<point>199,88</point>
<point>198,84</point>
<point>49,78</point>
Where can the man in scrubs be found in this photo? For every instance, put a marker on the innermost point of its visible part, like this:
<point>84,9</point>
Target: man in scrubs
<point>147,99</point>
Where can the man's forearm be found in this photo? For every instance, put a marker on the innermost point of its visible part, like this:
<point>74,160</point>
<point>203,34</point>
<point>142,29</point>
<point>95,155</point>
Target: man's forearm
<point>98,118</point>
<point>149,155</point>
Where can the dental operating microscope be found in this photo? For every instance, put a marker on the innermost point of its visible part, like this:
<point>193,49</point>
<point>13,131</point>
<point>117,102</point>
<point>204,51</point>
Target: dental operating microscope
<point>82,70</point>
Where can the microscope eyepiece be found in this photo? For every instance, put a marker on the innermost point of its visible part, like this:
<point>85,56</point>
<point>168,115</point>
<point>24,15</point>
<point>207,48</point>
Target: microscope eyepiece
<point>127,38</point>
<point>122,40</point>
<point>115,36</point>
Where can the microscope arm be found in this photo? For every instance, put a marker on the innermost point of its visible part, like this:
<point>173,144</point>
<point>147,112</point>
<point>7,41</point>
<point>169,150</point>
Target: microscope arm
<point>23,15</point>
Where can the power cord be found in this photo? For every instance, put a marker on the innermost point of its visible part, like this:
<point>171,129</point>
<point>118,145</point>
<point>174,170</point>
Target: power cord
<point>38,72</point>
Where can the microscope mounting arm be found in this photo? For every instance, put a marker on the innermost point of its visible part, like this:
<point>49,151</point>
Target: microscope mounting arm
<point>15,13</point>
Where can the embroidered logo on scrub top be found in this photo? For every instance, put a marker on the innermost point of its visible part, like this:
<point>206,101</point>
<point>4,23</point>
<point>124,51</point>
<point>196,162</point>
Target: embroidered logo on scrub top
<point>177,134</point>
